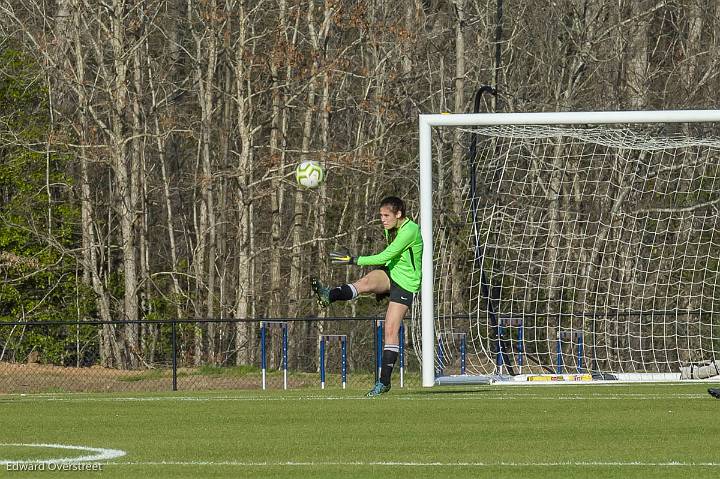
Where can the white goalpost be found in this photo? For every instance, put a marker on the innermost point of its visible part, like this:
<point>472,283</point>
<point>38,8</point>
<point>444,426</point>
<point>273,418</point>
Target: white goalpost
<point>588,248</point>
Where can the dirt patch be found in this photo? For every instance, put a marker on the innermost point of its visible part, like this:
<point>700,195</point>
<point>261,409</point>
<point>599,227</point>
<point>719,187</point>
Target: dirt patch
<point>43,378</point>
<point>34,378</point>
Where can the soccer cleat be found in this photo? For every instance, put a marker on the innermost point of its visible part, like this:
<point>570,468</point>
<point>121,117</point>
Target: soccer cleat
<point>377,390</point>
<point>322,292</point>
<point>714,393</point>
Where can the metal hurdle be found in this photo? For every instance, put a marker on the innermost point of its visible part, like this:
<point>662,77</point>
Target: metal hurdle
<point>263,349</point>
<point>343,344</point>
<point>379,343</point>
<point>441,358</point>
<point>569,334</point>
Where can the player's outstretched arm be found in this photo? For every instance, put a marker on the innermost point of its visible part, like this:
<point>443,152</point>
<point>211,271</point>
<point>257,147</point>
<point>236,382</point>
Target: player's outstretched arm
<point>405,238</point>
<point>342,258</point>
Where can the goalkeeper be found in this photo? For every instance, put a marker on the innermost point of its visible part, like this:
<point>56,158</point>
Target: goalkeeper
<point>398,277</point>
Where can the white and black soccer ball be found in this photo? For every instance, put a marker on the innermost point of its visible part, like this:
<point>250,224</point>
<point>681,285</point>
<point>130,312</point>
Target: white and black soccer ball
<point>309,174</point>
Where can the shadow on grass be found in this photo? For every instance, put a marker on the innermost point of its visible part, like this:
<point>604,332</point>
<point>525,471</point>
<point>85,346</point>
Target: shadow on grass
<point>450,390</point>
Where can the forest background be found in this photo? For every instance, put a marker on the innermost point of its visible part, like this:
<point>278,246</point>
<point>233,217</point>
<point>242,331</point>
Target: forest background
<point>147,148</point>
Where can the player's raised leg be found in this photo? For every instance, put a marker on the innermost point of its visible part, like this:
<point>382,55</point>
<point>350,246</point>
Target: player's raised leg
<point>374,282</point>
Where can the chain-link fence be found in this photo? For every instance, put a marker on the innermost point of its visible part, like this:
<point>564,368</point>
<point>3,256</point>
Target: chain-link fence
<point>183,355</point>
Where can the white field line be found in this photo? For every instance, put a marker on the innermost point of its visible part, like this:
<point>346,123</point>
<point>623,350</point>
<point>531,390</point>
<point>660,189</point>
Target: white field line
<point>480,395</point>
<point>100,454</point>
<point>415,464</point>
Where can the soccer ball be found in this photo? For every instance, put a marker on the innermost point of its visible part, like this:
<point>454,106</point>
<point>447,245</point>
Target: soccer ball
<point>309,174</point>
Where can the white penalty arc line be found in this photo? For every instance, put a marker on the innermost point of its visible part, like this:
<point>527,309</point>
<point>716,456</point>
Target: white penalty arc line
<point>100,454</point>
<point>417,464</point>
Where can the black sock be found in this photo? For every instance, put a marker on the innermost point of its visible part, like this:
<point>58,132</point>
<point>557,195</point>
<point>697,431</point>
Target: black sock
<point>389,356</point>
<point>346,292</point>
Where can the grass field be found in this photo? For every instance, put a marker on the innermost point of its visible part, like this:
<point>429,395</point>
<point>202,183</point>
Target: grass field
<point>486,431</point>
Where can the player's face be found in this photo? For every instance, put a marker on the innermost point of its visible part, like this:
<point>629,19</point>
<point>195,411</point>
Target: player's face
<point>388,218</point>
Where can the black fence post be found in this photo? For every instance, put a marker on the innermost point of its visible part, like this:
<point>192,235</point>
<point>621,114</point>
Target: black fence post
<point>174,356</point>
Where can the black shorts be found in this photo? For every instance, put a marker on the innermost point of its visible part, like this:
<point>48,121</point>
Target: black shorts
<point>397,293</point>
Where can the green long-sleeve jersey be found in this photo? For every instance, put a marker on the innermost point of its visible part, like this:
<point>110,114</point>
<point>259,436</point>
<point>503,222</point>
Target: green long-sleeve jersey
<point>402,256</point>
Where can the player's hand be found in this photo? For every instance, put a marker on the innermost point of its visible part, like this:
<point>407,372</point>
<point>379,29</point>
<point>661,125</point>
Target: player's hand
<point>342,258</point>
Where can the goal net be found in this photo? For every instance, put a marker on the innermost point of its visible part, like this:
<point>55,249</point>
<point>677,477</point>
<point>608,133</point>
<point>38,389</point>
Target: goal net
<point>587,245</point>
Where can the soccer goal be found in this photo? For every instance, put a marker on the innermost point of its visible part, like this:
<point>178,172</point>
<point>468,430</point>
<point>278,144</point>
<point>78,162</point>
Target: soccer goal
<point>587,247</point>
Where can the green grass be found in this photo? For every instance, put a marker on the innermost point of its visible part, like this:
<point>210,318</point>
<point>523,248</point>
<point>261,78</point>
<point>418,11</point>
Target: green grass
<point>621,431</point>
<point>146,375</point>
<point>240,371</point>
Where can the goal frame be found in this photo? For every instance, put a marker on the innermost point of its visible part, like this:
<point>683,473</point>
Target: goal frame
<point>426,124</point>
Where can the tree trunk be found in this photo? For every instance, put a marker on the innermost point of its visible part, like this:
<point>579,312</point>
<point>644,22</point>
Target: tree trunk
<point>276,160</point>
<point>244,286</point>
<point>124,181</point>
<point>637,56</point>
